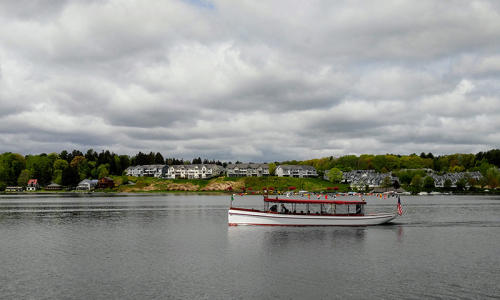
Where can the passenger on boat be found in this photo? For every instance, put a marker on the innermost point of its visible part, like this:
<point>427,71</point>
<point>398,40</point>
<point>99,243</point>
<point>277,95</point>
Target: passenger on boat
<point>284,210</point>
<point>274,208</point>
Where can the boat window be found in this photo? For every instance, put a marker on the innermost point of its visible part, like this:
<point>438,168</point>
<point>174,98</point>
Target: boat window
<point>284,208</point>
<point>330,209</point>
<point>341,209</point>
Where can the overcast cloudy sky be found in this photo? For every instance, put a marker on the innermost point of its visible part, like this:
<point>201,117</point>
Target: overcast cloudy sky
<point>250,80</point>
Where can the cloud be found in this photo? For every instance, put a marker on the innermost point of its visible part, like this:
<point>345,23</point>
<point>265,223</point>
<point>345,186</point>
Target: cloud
<point>250,81</point>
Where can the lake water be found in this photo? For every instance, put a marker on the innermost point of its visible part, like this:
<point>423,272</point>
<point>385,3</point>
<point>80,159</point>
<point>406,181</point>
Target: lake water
<point>180,247</point>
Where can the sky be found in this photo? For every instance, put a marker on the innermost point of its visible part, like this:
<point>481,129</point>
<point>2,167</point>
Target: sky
<point>250,80</point>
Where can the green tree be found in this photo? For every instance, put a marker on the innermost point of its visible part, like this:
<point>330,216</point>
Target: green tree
<point>428,183</point>
<point>404,176</point>
<point>40,167</point>
<point>483,166</point>
<point>11,165</point>
<point>347,163</point>
<point>335,175</point>
<point>461,184</point>
<point>124,163</point>
<point>380,163</point>
<point>124,179</point>
<point>159,159</point>
<point>23,178</point>
<point>392,162</point>
<point>447,184</point>
<point>365,162</point>
<point>81,164</point>
<point>102,171</point>
<point>60,164</point>
<point>441,163</point>
<point>70,176</point>
<point>272,168</point>
<point>387,182</point>
<point>456,169</point>
<point>493,177</point>
<point>412,162</point>
<point>416,183</point>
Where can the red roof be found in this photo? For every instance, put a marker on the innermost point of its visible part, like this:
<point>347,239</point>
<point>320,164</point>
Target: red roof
<point>33,181</point>
<point>311,201</point>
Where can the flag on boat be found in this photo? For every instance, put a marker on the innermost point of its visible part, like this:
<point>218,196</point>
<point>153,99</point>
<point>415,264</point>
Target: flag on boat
<point>400,209</point>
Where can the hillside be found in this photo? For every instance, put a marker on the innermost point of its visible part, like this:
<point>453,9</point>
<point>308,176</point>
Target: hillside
<point>223,184</point>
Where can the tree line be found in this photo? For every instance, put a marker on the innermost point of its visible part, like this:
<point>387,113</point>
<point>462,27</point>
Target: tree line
<point>68,168</point>
<point>451,163</point>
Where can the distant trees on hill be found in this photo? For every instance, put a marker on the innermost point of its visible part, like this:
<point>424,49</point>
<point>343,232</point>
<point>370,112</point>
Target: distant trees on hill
<point>481,161</point>
<point>68,168</point>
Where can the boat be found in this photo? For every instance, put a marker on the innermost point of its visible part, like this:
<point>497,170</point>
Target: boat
<point>307,212</point>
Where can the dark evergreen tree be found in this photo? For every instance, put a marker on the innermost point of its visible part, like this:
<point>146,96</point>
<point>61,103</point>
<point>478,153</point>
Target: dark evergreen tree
<point>70,176</point>
<point>91,155</point>
<point>124,162</point>
<point>159,159</point>
<point>64,155</point>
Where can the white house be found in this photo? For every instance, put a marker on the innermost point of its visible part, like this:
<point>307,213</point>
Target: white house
<point>247,170</point>
<point>154,170</point>
<point>194,171</point>
<point>87,185</point>
<point>362,178</point>
<point>32,185</point>
<point>136,171</point>
<point>147,170</point>
<point>299,171</point>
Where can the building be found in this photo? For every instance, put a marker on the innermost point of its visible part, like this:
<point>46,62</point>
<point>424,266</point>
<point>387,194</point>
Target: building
<point>147,170</point>
<point>87,185</point>
<point>298,171</point>
<point>105,183</point>
<point>32,185</point>
<point>247,170</point>
<point>136,171</point>
<point>194,171</point>
<point>157,171</point>
<point>53,187</point>
<point>439,180</point>
<point>14,189</point>
<point>362,178</point>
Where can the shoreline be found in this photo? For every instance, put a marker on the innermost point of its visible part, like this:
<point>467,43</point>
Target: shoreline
<point>168,192</point>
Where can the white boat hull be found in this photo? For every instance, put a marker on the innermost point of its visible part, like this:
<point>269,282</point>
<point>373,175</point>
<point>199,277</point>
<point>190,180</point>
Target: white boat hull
<point>246,217</point>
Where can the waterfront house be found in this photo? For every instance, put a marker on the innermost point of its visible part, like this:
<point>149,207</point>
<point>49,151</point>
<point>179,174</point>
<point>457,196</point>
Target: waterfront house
<point>193,171</point>
<point>136,171</point>
<point>247,170</point>
<point>105,182</point>
<point>157,171</point>
<point>298,171</point>
<point>154,170</point>
<point>53,187</point>
<point>439,180</point>
<point>362,178</point>
<point>87,185</point>
<point>14,189</point>
<point>32,185</point>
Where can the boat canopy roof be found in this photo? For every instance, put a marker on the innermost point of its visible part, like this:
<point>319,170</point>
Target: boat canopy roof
<point>311,201</point>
